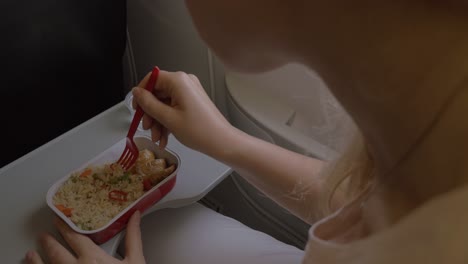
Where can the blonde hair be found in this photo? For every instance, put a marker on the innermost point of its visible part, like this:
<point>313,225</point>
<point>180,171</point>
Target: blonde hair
<point>347,176</point>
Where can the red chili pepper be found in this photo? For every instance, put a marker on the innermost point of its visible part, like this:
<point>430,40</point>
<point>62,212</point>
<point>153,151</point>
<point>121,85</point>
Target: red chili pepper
<point>117,195</point>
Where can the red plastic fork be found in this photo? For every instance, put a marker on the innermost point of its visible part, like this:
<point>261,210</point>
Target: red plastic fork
<point>130,153</point>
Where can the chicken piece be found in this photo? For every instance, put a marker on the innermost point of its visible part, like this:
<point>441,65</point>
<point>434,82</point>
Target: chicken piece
<point>145,156</point>
<point>151,167</point>
<point>159,175</point>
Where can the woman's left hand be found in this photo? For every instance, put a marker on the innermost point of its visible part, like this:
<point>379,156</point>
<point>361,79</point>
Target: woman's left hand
<point>85,250</point>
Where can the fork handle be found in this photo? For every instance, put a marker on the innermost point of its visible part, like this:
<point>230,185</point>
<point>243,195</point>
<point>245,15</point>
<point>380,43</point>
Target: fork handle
<point>139,112</point>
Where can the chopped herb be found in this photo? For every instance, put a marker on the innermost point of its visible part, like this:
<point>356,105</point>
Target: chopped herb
<point>96,177</point>
<point>126,176</point>
<point>114,180</point>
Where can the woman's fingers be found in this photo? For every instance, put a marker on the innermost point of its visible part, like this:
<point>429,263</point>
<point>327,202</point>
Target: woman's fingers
<point>164,139</point>
<point>147,122</point>
<point>156,132</point>
<point>56,253</point>
<point>133,244</point>
<point>33,258</point>
<point>194,79</point>
<point>180,105</point>
<point>79,243</point>
<point>152,106</point>
<point>159,133</point>
<point>163,86</point>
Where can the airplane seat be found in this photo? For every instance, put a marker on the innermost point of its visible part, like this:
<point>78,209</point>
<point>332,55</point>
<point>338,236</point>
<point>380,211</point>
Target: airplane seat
<point>290,107</point>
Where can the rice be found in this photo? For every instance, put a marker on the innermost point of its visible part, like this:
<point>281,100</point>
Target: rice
<point>92,197</point>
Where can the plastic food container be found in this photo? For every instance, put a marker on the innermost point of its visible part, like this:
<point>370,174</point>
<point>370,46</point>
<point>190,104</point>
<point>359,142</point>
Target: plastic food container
<point>148,199</point>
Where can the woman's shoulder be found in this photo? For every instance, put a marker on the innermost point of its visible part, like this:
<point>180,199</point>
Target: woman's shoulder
<point>437,232</point>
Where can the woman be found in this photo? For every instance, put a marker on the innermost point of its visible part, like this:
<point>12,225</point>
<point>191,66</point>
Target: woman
<point>400,69</point>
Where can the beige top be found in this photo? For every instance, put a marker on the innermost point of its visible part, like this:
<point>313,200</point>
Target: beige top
<point>437,232</point>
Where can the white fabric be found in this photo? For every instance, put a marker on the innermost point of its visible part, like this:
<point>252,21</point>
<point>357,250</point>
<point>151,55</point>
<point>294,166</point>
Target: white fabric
<point>435,233</point>
<point>198,235</point>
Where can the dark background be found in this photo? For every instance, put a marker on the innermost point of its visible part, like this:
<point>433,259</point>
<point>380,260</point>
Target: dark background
<point>60,64</point>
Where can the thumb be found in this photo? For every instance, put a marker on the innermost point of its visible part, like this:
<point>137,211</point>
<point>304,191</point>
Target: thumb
<point>133,243</point>
<point>152,106</point>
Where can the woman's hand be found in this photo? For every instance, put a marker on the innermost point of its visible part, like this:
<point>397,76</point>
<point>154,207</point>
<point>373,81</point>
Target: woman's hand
<point>85,251</point>
<point>179,105</point>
